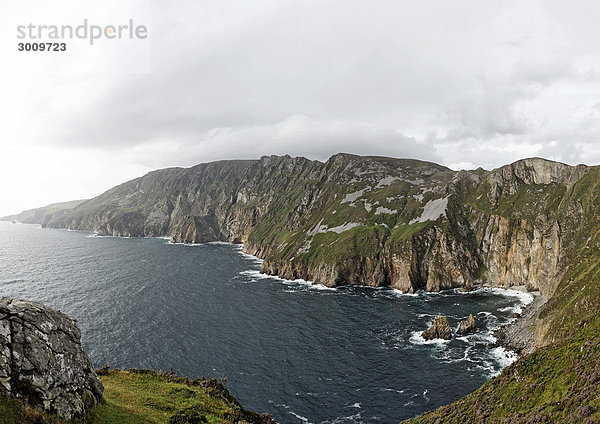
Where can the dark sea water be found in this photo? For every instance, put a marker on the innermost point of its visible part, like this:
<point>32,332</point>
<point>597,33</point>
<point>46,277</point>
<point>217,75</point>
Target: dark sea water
<point>303,353</point>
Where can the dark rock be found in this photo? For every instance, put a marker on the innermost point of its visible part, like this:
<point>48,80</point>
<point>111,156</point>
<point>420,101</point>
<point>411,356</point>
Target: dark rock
<point>42,361</point>
<point>440,329</point>
<point>467,327</point>
<point>515,315</point>
<point>468,287</point>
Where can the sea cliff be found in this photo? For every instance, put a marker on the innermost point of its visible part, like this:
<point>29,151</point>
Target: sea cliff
<point>358,220</point>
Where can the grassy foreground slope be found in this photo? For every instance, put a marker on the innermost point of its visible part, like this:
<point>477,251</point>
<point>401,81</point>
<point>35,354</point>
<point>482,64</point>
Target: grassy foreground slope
<point>145,396</point>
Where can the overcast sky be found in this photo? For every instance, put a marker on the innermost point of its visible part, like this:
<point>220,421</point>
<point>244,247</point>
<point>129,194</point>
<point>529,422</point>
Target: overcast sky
<point>462,83</point>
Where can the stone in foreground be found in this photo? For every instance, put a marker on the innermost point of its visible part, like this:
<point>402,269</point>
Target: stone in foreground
<point>467,327</point>
<point>440,329</point>
<point>42,361</point>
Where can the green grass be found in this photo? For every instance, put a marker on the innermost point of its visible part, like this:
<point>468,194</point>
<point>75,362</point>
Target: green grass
<point>145,396</point>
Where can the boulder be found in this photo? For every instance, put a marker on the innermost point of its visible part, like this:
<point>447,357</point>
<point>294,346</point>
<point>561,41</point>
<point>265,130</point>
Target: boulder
<point>42,361</point>
<point>467,327</point>
<point>440,329</point>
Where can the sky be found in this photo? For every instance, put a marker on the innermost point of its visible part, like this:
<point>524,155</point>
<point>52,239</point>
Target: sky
<point>461,83</point>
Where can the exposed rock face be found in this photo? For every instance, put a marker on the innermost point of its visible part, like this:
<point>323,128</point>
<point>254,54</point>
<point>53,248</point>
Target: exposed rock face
<point>467,327</point>
<point>42,361</point>
<point>440,329</point>
<point>355,220</point>
<point>45,214</point>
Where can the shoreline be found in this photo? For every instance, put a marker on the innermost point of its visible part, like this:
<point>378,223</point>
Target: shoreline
<point>518,336</point>
<point>515,336</point>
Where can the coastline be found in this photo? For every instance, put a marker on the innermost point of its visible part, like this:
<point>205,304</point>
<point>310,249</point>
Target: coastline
<point>519,336</point>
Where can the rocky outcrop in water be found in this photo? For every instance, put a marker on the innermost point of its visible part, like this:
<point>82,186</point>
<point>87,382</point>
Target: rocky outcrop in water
<point>467,326</point>
<point>440,329</point>
<point>42,361</point>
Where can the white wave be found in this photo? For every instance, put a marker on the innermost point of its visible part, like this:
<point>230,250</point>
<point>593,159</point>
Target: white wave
<point>416,338</point>
<point>355,405</point>
<point>485,337</point>
<point>185,244</point>
<point>251,257</point>
<point>525,298</point>
<point>393,390</point>
<point>316,286</point>
<point>300,417</point>
<point>240,249</point>
<point>257,275</point>
<point>400,293</point>
<point>503,357</point>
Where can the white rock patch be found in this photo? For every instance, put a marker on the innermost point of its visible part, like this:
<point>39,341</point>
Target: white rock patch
<point>351,197</point>
<point>432,210</point>
<point>381,210</point>
<point>384,182</point>
<point>320,229</point>
<point>345,227</point>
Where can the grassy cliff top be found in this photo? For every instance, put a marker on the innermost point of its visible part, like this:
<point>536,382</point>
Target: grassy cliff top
<point>145,396</point>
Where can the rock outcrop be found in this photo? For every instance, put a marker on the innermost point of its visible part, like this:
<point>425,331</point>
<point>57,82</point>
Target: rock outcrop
<point>467,326</point>
<point>42,361</point>
<point>440,329</point>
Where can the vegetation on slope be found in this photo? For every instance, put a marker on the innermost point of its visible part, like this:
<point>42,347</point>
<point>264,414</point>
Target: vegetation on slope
<point>145,396</point>
<point>558,383</point>
<point>555,384</point>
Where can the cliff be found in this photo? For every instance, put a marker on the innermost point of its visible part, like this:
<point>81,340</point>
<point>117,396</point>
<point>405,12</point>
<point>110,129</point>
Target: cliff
<point>373,221</point>
<point>44,214</point>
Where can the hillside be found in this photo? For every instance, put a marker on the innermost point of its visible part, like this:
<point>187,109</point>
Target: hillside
<point>44,214</point>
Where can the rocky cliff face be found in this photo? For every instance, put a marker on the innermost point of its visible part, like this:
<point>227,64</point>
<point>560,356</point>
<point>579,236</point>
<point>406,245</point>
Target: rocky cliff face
<point>361,220</point>
<point>42,361</point>
<point>43,215</point>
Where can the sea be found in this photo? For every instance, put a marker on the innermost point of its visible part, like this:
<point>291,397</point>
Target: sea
<point>305,353</point>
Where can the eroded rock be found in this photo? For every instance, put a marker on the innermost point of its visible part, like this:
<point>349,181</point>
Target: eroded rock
<point>42,361</point>
<point>440,329</point>
<point>467,326</point>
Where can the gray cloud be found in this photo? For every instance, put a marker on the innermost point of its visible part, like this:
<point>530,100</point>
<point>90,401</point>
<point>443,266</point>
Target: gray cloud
<point>463,83</point>
<point>462,74</point>
<point>297,135</point>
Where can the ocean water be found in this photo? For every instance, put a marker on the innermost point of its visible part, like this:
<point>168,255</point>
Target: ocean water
<point>304,353</point>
